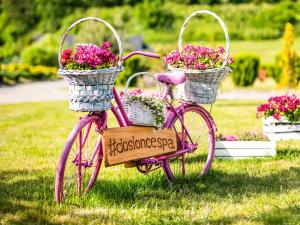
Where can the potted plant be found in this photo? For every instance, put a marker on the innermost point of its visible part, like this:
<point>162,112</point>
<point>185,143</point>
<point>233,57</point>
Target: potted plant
<point>204,67</point>
<point>144,109</point>
<point>90,70</point>
<point>281,117</point>
<point>244,145</point>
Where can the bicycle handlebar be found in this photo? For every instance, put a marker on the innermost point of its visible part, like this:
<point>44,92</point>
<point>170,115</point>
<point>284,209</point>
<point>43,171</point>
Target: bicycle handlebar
<point>148,54</point>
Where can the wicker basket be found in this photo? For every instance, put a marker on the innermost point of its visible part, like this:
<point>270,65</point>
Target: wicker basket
<point>201,85</point>
<point>137,113</point>
<point>90,90</point>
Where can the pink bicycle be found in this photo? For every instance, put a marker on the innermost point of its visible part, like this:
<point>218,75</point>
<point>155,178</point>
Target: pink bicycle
<point>81,159</point>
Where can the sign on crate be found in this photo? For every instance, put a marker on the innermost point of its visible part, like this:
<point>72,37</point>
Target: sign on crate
<point>133,143</point>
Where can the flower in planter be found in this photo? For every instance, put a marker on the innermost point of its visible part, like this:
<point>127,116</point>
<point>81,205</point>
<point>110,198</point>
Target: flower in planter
<point>245,136</point>
<point>197,58</point>
<point>286,106</point>
<point>151,102</point>
<point>89,57</point>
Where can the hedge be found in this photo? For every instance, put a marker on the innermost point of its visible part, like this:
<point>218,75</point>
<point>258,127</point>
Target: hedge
<point>14,73</point>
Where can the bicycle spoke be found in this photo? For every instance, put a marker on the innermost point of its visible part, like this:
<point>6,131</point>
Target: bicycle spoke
<point>192,163</point>
<point>82,163</point>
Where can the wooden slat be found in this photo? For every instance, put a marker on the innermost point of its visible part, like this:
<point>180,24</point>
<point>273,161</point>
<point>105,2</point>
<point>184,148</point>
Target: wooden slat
<point>281,128</point>
<point>133,143</point>
<point>283,136</point>
<point>245,144</point>
<point>245,152</point>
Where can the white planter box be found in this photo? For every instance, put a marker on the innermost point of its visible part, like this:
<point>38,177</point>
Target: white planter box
<point>244,149</point>
<point>281,129</point>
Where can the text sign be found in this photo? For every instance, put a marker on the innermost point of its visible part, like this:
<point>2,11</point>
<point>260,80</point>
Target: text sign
<point>133,143</point>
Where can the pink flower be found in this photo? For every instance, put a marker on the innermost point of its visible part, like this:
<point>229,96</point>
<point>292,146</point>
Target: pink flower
<point>172,57</point>
<point>230,60</point>
<point>106,45</point>
<point>278,106</point>
<point>231,138</point>
<point>221,50</point>
<point>197,57</point>
<point>200,66</point>
<point>277,116</point>
<point>135,92</point>
<point>91,56</point>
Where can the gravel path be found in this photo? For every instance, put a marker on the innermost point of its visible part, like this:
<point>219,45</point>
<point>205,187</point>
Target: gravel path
<point>34,92</point>
<point>58,90</point>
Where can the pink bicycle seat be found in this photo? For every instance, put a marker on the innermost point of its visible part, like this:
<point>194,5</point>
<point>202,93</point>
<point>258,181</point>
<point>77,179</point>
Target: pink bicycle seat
<point>177,77</point>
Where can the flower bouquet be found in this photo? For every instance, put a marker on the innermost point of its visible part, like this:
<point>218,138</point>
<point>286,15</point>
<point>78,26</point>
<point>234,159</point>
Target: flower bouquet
<point>281,117</point>
<point>143,109</point>
<point>244,145</point>
<point>91,71</point>
<point>204,67</point>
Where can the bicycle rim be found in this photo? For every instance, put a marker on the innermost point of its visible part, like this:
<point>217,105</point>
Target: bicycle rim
<point>80,161</point>
<point>201,130</point>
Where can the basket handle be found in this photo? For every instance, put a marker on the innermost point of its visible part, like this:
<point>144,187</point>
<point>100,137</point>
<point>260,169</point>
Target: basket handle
<point>221,23</point>
<point>139,74</point>
<point>93,19</point>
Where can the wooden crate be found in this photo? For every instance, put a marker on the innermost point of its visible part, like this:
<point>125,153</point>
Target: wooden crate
<point>134,143</point>
<point>281,129</point>
<point>244,149</point>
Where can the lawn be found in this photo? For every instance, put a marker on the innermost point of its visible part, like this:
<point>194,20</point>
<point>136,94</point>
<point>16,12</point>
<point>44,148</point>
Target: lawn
<point>261,191</point>
<point>265,49</point>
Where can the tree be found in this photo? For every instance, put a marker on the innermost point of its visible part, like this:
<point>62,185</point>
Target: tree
<point>288,77</point>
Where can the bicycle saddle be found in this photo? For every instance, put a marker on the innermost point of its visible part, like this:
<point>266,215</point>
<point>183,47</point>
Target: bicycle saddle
<point>176,77</point>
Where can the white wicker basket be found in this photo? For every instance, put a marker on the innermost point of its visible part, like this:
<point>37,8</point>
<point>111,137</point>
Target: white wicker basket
<point>90,90</point>
<point>138,113</point>
<point>201,85</point>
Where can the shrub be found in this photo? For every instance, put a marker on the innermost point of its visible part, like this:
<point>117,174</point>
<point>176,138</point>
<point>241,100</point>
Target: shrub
<point>245,69</point>
<point>12,73</point>
<point>154,16</point>
<point>132,66</point>
<point>288,60</point>
<point>39,56</point>
<point>273,70</point>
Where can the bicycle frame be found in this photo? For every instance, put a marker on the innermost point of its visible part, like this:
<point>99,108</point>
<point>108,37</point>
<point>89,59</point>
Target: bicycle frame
<point>122,118</point>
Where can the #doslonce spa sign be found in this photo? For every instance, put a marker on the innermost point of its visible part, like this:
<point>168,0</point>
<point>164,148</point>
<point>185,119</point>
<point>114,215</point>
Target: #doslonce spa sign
<point>133,143</point>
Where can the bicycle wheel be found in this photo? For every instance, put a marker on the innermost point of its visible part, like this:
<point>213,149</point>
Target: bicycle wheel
<point>80,160</point>
<point>201,129</point>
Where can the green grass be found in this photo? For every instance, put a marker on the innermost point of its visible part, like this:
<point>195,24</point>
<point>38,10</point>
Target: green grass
<point>266,49</point>
<point>261,191</point>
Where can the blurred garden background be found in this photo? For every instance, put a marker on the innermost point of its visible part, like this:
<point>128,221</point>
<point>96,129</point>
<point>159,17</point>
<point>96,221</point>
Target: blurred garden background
<point>265,44</point>
<point>31,32</point>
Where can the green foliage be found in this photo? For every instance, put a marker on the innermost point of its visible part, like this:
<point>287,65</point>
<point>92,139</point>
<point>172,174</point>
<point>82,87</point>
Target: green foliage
<point>132,66</point>
<point>245,69</point>
<point>275,70</point>
<point>39,56</point>
<point>156,105</point>
<point>154,16</point>
<point>253,191</point>
<point>288,78</point>
<point>42,52</point>
<point>13,73</point>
